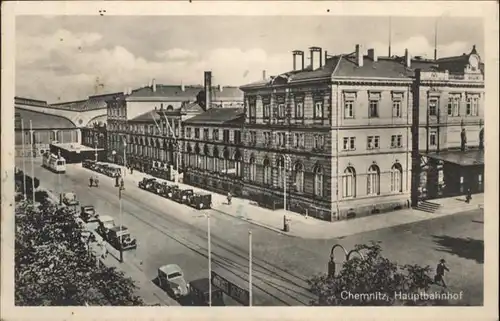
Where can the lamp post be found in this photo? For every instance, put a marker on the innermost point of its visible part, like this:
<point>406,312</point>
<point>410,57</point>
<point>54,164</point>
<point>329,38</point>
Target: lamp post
<point>120,189</point>
<point>95,146</point>
<point>114,155</point>
<point>347,255</point>
<point>32,162</point>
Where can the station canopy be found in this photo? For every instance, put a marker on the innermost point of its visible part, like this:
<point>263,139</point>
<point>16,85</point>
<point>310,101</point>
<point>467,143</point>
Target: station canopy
<point>461,158</point>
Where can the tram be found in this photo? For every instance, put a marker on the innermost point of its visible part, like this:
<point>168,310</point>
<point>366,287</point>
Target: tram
<point>54,163</point>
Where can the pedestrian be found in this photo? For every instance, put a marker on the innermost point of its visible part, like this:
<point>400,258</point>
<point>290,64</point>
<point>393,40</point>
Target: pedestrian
<point>91,179</point>
<point>440,270</point>
<point>131,170</point>
<point>96,180</point>
<point>229,196</point>
<point>468,197</point>
<point>122,183</point>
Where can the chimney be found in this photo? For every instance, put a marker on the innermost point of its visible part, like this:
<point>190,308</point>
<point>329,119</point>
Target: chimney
<point>298,64</point>
<point>264,72</point>
<point>154,85</point>
<point>183,88</point>
<point>208,89</point>
<point>407,59</point>
<point>359,56</point>
<point>130,91</point>
<point>125,91</point>
<point>150,84</point>
<point>326,56</point>
<point>372,55</point>
<point>220,88</point>
<point>316,57</point>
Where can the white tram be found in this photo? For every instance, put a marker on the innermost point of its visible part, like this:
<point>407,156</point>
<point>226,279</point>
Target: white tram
<point>55,163</point>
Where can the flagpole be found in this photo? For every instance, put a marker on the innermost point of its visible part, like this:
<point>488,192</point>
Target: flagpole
<point>24,158</point>
<point>209,264</point>
<point>250,268</point>
<point>32,163</point>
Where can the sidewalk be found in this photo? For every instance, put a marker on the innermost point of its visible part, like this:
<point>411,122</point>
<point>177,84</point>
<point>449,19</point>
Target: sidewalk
<point>147,290</point>
<point>311,228</point>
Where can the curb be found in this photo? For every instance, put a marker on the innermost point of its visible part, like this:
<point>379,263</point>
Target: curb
<point>255,223</point>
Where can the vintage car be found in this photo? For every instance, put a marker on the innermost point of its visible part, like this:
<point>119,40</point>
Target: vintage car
<point>121,233</point>
<point>88,163</point>
<point>200,200</point>
<point>88,213</point>
<point>69,199</point>
<point>147,183</point>
<point>199,293</point>
<point>171,279</point>
<point>182,195</point>
<point>113,171</point>
<point>163,189</point>
<point>158,187</point>
<point>105,222</point>
<point>170,190</point>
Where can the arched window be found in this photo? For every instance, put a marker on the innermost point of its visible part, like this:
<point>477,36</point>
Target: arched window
<point>396,178</point>
<point>253,169</point>
<point>267,172</point>
<point>207,164</point>
<point>349,183</point>
<point>373,180</point>
<point>298,171</point>
<point>318,181</point>
<point>237,162</point>
<point>280,169</point>
<point>170,108</point>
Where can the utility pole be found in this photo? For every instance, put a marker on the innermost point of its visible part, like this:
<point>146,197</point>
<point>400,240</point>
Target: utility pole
<point>209,264</point>
<point>121,220</point>
<point>24,158</point>
<point>32,163</point>
<point>250,268</point>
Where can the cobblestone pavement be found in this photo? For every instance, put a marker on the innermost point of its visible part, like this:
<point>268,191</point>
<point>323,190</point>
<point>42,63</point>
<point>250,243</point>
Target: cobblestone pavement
<point>168,232</point>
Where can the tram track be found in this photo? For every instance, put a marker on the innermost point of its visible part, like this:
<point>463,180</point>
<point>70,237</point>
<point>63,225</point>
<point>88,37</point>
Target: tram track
<point>283,289</point>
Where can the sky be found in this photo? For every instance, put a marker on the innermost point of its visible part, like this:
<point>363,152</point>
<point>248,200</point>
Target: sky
<point>62,58</point>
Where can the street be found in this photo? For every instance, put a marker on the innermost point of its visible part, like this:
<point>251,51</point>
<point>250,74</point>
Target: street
<point>168,232</point>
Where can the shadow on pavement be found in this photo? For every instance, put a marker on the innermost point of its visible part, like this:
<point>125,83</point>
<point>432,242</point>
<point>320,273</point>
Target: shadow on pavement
<point>463,247</point>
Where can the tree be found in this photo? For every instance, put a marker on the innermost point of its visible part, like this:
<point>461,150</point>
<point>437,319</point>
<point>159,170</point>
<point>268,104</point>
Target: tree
<point>373,281</point>
<point>54,267</point>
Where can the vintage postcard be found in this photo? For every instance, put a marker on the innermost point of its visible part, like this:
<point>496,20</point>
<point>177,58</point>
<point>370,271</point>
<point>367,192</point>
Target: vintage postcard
<point>249,160</point>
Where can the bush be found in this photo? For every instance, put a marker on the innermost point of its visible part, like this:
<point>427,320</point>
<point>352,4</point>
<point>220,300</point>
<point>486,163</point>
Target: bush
<point>372,281</point>
<point>54,267</point>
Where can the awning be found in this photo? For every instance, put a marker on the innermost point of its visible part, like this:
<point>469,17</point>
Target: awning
<point>466,158</point>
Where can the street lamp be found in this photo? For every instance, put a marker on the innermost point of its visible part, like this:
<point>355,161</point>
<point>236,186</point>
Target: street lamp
<point>331,263</point>
<point>120,189</point>
<point>124,156</point>
<point>114,155</point>
<point>95,146</point>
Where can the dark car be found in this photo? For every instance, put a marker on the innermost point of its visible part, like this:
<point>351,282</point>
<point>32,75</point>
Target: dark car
<point>182,195</point>
<point>199,293</point>
<point>158,187</point>
<point>88,213</point>
<point>69,199</point>
<point>146,183</point>
<point>200,200</point>
<point>88,163</point>
<point>117,233</point>
<point>170,190</point>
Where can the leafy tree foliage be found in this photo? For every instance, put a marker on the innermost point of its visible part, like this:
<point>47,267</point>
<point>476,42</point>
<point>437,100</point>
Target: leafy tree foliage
<point>372,281</point>
<point>54,266</point>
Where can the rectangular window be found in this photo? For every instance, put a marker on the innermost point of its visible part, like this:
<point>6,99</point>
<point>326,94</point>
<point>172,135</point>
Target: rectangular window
<point>349,143</point>
<point>433,138</point>
<point>252,110</point>
<point>349,109</point>
<point>373,109</point>
<point>197,133</point>
<point>318,110</point>
<point>396,141</point>
<point>237,137</point>
<point>433,107</point>
<point>299,109</point>
<point>396,108</point>
<point>450,106</point>
<point>472,106</point>
<point>205,134</point>
<point>215,134</point>
<point>188,132</point>
<point>225,135</point>
<point>319,141</point>
<point>267,111</point>
<point>373,142</point>
<point>281,111</point>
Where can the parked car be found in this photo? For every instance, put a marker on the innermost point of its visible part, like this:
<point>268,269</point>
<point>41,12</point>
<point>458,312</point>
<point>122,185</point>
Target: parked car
<point>105,223</point>
<point>113,171</point>
<point>199,293</point>
<point>117,233</point>
<point>88,213</point>
<point>158,187</point>
<point>200,200</point>
<point>88,163</point>
<point>170,190</point>
<point>69,199</point>
<point>146,183</point>
<point>182,195</point>
<point>163,189</point>
<point>171,279</point>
